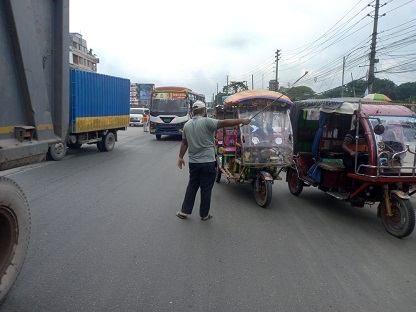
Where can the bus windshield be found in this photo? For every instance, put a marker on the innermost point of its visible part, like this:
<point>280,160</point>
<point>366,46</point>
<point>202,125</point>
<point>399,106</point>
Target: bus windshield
<point>176,107</point>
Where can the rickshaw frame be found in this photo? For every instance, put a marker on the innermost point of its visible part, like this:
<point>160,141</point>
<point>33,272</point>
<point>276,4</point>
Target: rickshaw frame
<point>377,181</point>
<point>249,158</point>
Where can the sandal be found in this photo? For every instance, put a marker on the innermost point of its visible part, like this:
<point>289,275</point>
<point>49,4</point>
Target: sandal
<point>209,216</point>
<point>181,216</point>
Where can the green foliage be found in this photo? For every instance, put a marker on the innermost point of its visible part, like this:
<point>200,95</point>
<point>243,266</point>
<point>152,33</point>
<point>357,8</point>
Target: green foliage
<point>300,93</point>
<point>405,92</point>
<point>234,87</point>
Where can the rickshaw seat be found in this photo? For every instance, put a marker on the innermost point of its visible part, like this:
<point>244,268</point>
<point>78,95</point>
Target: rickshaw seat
<point>332,166</point>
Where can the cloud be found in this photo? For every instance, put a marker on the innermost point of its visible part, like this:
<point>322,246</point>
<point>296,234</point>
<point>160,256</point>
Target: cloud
<point>202,44</point>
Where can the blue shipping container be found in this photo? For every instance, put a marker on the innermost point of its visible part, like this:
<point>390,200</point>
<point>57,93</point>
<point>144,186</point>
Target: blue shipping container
<point>98,102</point>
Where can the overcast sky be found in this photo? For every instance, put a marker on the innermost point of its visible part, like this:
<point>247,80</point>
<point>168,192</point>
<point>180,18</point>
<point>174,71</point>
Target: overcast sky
<point>201,44</point>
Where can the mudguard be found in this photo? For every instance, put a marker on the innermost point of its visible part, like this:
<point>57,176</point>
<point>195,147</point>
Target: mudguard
<point>267,176</point>
<point>401,194</point>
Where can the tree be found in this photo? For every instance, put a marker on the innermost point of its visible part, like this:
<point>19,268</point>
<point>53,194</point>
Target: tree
<point>234,87</point>
<point>385,86</point>
<point>406,92</point>
<point>300,93</point>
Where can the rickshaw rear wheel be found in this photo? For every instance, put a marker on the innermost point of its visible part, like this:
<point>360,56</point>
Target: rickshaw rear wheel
<point>263,194</point>
<point>402,222</point>
<point>218,178</point>
<point>295,185</point>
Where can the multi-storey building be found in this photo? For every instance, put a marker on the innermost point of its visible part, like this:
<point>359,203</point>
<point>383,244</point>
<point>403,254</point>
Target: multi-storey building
<point>140,94</point>
<point>79,55</point>
<point>134,95</point>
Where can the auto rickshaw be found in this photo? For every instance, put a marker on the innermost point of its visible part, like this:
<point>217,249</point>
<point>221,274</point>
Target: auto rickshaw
<point>256,152</point>
<point>383,169</point>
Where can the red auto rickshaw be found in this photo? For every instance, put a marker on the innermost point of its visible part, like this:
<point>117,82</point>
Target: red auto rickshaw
<point>383,171</point>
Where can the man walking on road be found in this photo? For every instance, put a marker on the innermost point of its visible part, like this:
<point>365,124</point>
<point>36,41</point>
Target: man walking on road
<point>198,139</point>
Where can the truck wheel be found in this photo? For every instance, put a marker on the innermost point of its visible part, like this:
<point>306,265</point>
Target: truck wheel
<point>57,151</point>
<point>158,136</point>
<point>14,233</point>
<point>100,146</point>
<point>108,141</point>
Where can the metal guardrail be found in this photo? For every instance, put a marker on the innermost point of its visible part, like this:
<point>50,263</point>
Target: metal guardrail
<point>385,161</point>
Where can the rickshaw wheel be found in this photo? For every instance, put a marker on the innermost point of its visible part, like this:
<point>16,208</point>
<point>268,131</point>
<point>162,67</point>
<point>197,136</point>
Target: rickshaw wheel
<point>295,185</point>
<point>263,195</point>
<point>402,222</point>
<point>218,178</point>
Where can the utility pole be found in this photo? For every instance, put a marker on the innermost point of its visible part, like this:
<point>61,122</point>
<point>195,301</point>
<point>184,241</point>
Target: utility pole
<point>277,70</point>
<point>343,70</point>
<point>227,85</point>
<point>370,80</point>
<point>252,82</point>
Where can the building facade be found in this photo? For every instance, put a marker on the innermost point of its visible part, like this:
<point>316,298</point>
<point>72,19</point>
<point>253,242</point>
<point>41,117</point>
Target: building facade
<point>140,94</point>
<point>79,55</point>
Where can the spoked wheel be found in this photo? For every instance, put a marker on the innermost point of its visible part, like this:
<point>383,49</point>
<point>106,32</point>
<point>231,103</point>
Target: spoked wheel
<point>295,185</point>
<point>402,222</point>
<point>14,233</point>
<point>263,194</point>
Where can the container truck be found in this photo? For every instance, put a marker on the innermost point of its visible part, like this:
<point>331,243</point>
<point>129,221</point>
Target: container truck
<point>34,110</point>
<point>99,106</point>
<point>44,106</point>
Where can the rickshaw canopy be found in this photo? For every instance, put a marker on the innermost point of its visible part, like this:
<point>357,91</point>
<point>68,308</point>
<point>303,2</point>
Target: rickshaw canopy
<point>256,94</point>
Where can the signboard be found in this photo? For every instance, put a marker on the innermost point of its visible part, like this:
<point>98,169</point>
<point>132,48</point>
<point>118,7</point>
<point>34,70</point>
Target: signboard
<point>167,95</point>
<point>145,91</point>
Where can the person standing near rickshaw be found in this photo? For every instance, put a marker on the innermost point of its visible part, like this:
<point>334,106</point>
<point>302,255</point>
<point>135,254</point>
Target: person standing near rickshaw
<point>198,140</point>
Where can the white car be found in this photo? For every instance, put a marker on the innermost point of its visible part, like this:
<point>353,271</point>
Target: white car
<point>136,115</point>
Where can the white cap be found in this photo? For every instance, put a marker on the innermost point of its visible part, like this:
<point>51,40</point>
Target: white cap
<point>198,104</point>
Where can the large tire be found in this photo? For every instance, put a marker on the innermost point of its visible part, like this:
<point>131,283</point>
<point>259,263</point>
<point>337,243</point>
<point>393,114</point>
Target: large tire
<point>57,151</point>
<point>295,185</point>
<point>402,223</point>
<point>108,142</point>
<point>14,233</point>
<point>263,195</point>
<point>100,146</point>
<point>158,136</point>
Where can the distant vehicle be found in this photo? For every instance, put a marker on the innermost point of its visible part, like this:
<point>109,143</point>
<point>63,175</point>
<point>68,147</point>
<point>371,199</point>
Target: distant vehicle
<point>136,116</point>
<point>99,107</point>
<point>170,109</point>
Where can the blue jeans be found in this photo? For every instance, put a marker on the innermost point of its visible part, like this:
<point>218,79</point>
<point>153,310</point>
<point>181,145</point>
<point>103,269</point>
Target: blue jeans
<point>200,176</point>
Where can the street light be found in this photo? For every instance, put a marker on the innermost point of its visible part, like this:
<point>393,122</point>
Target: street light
<point>343,69</point>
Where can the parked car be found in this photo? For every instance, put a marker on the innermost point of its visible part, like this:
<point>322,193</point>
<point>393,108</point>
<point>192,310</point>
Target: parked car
<point>136,115</point>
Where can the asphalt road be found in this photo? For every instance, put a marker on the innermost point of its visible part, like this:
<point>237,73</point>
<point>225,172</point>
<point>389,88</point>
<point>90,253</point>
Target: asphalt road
<point>105,238</point>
